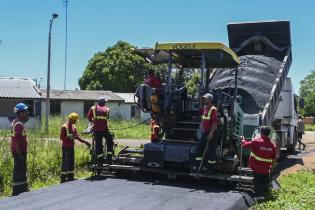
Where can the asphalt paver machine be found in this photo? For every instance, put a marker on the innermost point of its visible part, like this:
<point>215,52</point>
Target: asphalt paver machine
<point>179,114</point>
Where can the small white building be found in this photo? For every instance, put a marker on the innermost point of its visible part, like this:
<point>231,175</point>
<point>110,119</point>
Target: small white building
<point>14,90</point>
<point>63,102</point>
<point>131,105</point>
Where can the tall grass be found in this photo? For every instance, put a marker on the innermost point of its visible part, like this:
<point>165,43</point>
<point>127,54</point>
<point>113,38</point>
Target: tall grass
<point>297,192</point>
<point>141,131</point>
<point>43,162</point>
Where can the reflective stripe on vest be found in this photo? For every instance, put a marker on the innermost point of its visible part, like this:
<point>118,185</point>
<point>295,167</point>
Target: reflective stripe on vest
<point>208,116</point>
<point>70,135</point>
<point>13,128</point>
<point>95,117</point>
<point>267,160</point>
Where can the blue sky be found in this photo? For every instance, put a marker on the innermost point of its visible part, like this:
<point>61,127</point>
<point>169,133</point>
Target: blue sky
<point>95,25</point>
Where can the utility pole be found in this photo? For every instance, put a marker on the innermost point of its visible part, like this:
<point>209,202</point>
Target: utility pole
<point>54,16</point>
<point>66,44</point>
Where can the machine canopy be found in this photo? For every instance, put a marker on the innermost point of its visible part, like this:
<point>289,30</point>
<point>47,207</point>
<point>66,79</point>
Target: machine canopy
<point>189,54</point>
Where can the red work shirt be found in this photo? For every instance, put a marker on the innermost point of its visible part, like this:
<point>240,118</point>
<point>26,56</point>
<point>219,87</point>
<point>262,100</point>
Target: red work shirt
<point>155,130</point>
<point>18,136</point>
<point>153,82</point>
<point>209,116</point>
<point>99,117</point>
<point>262,148</point>
<point>67,136</point>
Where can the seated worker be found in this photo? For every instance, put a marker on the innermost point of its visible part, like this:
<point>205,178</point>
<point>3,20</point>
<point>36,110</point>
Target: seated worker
<point>152,80</point>
<point>155,129</point>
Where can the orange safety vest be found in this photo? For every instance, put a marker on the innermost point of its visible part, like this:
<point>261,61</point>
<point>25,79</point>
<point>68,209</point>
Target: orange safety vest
<point>98,117</point>
<point>154,124</point>
<point>70,135</point>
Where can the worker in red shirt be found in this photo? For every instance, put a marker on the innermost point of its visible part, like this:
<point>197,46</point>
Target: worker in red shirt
<point>261,160</point>
<point>155,129</point>
<point>19,149</point>
<point>152,80</point>
<point>68,134</point>
<point>99,115</point>
<point>206,132</point>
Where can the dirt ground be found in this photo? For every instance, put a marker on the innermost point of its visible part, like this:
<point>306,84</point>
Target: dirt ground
<point>304,159</point>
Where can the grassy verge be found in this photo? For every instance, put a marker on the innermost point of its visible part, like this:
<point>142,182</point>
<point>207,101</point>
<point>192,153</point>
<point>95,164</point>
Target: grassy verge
<point>297,192</point>
<point>309,127</point>
<point>43,162</point>
<point>141,131</point>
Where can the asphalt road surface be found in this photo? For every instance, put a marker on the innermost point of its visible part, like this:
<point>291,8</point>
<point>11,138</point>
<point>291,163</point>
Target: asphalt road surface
<point>113,193</point>
<point>147,194</point>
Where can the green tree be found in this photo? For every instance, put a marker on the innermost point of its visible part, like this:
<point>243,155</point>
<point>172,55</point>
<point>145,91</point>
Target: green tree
<point>192,82</point>
<point>307,92</point>
<point>117,69</point>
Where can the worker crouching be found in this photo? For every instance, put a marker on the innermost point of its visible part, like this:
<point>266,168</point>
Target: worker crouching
<point>155,129</point>
<point>68,134</point>
<point>19,149</point>
<point>261,160</point>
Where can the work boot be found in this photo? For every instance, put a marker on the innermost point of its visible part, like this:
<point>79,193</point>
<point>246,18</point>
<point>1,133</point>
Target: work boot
<point>100,161</point>
<point>70,177</point>
<point>194,166</point>
<point>63,178</point>
<point>207,170</point>
<point>109,159</point>
<point>24,188</point>
<point>194,169</point>
<point>16,190</point>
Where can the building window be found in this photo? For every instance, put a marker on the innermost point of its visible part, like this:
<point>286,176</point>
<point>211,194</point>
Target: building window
<point>55,107</point>
<point>87,106</point>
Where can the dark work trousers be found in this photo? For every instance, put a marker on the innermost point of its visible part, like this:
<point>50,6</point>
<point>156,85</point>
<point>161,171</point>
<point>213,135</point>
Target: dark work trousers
<point>19,174</point>
<point>98,135</point>
<point>67,165</point>
<point>210,156</point>
<point>261,183</point>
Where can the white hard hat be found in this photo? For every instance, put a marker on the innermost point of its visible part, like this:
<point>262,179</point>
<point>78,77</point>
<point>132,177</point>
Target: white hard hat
<point>208,96</point>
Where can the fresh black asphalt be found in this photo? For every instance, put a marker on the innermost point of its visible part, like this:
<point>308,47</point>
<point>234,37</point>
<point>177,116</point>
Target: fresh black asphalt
<point>140,193</point>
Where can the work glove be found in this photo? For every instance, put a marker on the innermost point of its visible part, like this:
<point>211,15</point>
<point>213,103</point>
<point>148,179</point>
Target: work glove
<point>243,140</point>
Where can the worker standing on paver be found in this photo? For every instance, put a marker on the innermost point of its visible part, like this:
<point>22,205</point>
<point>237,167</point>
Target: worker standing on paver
<point>207,129</point>
<point>68,134</point>
<point>300,130</point>
<point>99,115</point>
<point>155,129</point>
<point>261,160</point>
<point>19,149</point>
<point>152,80</point>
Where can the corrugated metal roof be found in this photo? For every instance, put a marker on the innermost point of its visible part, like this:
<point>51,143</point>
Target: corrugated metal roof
<point>128,97</point>
<point>82,95</point>
<point>14,87</point>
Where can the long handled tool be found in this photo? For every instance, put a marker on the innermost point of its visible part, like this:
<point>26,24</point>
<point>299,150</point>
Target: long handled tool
<point>240,186</point>
<point>203,156</point>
